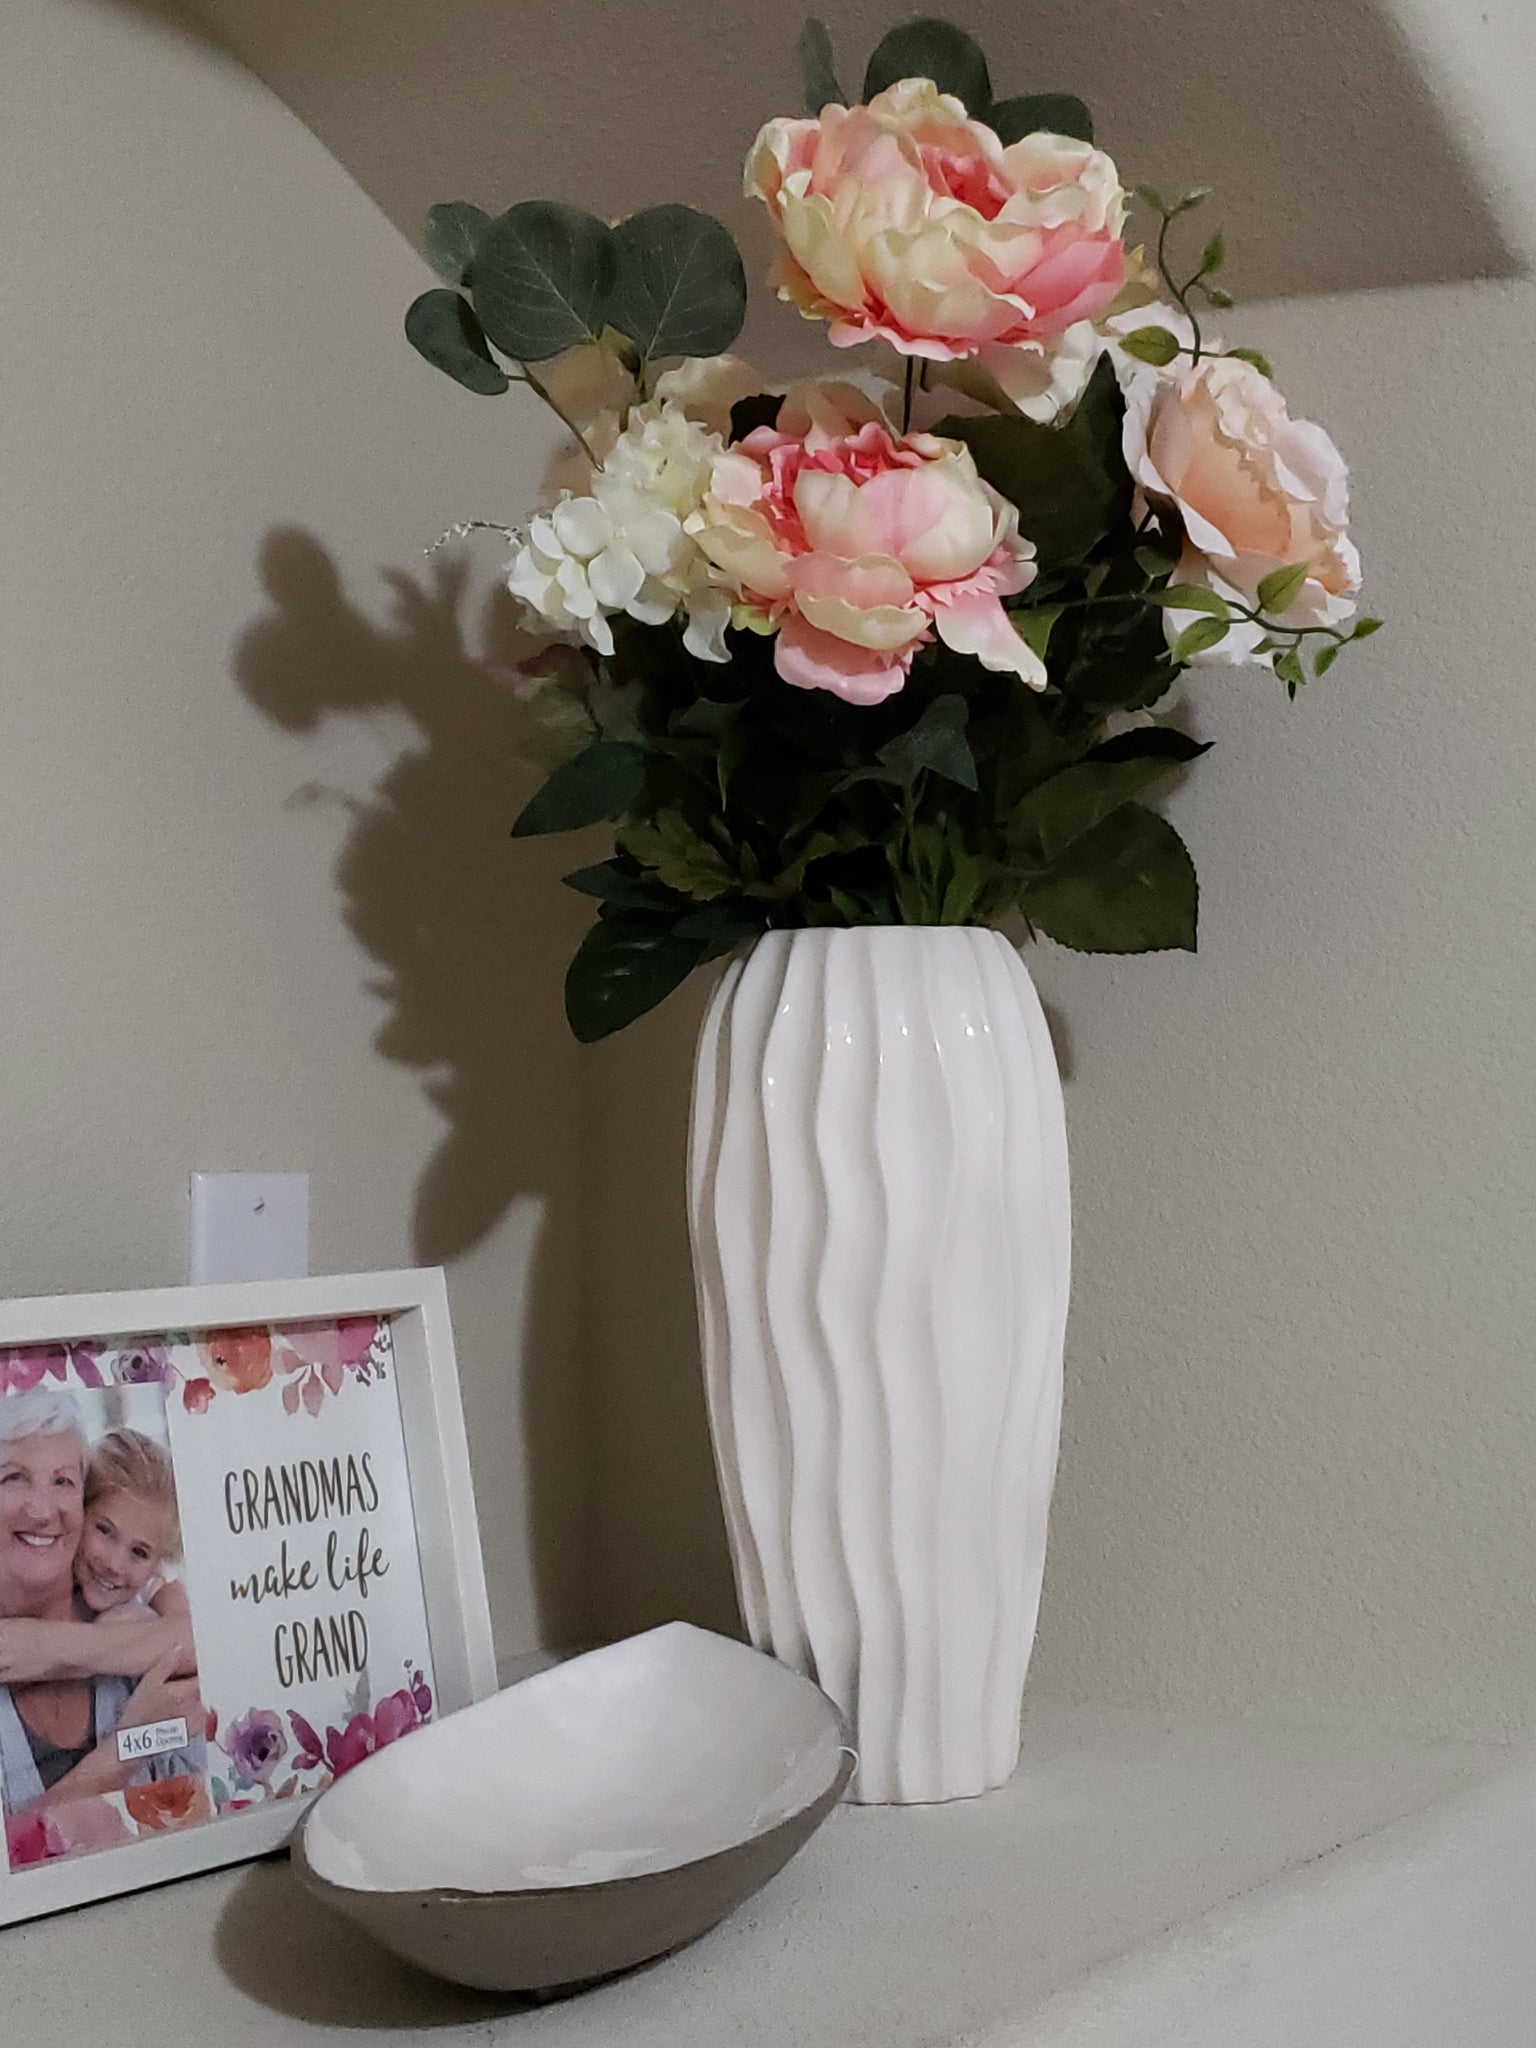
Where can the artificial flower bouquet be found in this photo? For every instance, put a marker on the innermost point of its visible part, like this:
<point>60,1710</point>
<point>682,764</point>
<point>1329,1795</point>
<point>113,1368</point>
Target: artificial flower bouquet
<point>896,651</point>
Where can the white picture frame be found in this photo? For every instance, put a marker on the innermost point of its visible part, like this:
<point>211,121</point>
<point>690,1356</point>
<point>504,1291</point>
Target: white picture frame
<point>414,1304</point>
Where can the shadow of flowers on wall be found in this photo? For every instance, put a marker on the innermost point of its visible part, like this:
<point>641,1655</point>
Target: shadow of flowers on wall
<point>432,887</point>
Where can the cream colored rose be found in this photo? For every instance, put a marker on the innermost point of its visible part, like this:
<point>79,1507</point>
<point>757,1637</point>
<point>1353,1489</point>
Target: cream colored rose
<point>1256,490</point>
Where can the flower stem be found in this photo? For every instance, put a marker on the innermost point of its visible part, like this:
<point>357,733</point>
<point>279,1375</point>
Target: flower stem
<point>906,396</point>
<point>541,390</point>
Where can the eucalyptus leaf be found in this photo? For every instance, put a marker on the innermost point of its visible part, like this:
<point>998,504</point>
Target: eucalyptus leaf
<point>625,966</point>
<point>600,783</point>
<point>818,75</point>
<point>681,288</point>
<point>441,326</point>
<point>1041,113</point>
<point>544,274</point>
<point>452,233</point>
<point>937,50</point>
<point>1128,886</point>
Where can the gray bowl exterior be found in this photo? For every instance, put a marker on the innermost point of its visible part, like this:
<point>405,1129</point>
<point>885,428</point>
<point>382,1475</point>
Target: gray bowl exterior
<point>569,1935</point>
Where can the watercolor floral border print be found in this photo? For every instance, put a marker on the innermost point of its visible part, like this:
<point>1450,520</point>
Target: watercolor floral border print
<point>240,1502</point>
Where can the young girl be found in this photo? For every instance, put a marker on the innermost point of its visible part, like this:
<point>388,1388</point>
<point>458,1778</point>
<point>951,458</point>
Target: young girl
<point>132,1529</point>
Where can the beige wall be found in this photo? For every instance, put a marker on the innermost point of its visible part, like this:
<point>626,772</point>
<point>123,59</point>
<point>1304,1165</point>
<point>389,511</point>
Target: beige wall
<point>258,906</point>
<point>1299,1435</point>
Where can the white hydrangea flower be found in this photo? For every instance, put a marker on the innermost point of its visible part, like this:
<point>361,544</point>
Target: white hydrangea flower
<point>625,547</point>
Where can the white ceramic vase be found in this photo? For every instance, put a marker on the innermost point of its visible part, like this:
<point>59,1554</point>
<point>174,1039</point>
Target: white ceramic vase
<point>880,1218</point>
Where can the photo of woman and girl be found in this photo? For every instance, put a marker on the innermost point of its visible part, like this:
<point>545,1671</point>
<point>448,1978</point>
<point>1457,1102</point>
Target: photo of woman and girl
<point>95,1628</point>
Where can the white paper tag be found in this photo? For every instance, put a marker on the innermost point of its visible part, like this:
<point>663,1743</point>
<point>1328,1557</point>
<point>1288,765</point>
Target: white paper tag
<point>156,1738</point>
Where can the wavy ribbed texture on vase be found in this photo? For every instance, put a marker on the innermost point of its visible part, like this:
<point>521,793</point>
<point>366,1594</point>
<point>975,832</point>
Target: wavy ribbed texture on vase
<point>879,1206</point>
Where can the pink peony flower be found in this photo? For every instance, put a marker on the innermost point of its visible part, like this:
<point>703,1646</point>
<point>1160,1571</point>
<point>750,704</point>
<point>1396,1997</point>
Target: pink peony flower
<point>196,1395</point>
<point>1256,491</point>
<point>394,1716</point>
<point>345,1748</point>
<point>908,220</point>
<point>856,546</point>
<point>256,1745</point>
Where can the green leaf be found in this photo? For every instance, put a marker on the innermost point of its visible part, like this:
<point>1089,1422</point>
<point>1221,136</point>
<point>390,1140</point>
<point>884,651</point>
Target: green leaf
<point>1259,361</point>
<point>936,50</point>
<point>1151,345</point>
<point>936,742</point>
<point>442,327</point>
<point>1279,589</point>
<point>817,72</point>
<point>680,857</point>
<point>1213,255</point>
<point>452,232</point>
<point>612,882</point>
<point>544,274</point>
<point>1055,814</point>
<point>1069,482</point>
<point>1150,196</point>
<point>1033,624</point>
<point>1364,628</point>
<point>1128,886</point>
<point>1290,671</point>
<point>623,967</point>
<point>601,782</point>
<point>1197,638</point>
<point>1325,658</point>
<point>681,289</point>
<point>719,927</point>
<point>1041,113</point>
<point>1190,597</point>
<point>1148,742</point>
<point>1223,301</point>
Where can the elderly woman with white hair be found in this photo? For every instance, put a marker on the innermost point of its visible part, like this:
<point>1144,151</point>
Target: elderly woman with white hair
<point>57,1728</point>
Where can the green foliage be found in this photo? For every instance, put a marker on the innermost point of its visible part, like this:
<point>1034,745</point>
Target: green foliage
<point>681,289</point>
<point>936,743</point>
<point>1128,886</point>
<point>1152,345</point>
<point>1198,637</point>
<point>452,233</point>
<point>937,50</point>
<point>441,326</point>
<point>543,277</point>
<point>1259,361</point>
<point>600,783</point>
<point>818,75</point>
<point>1281,587</point>
<point>1041,113</point>
<point>1069,481</point>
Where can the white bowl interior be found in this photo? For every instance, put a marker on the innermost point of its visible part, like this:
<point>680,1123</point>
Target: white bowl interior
<point>639,1757</point>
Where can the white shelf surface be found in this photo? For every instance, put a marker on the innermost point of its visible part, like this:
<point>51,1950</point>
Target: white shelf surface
<point>894,1929</point>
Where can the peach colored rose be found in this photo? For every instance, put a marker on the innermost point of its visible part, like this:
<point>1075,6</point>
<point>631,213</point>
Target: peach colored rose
<point>1256,491</point>
<point>240,1361</point>
<point>857,545</point>
<point>906,219</point>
